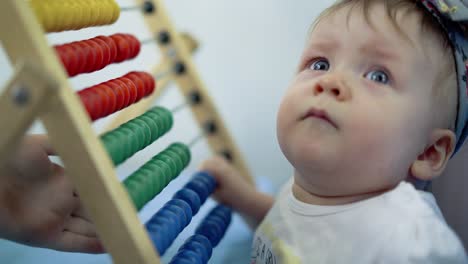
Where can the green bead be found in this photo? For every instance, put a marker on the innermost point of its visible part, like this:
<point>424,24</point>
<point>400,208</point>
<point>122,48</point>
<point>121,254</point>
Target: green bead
<point>108,140</point>
<point>132,188</point>
<point>146,131</point>
<point>133,133</point>
<point>182,156</point>
<point>152,125</point>
<point>165,169</point>
<point>145,176</point>
<point>166,159</point>
<point>183,150</point>
<point>168,116</point>
<point>138,178</point>
<point>165,116</point>
<point>158,176</point>
<point>159,122</point>
<point>131,146</point>
<point>176,158</point>
<point>138,135</point>
<point>121,146</point>
<point>156,182</point>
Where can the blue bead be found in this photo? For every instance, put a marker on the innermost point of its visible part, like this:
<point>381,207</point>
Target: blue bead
<point>175,224</point>
<point>191,197</point>
<point>180,261</point>
<point>208,179</point>
<point>224,209</point>
<point>199,188</point>
<point>222,212</point>
<point>218,221</point>
<point>156,222</point>
<point>226,219</point>
<point>160,240</point>
<point>218,227</point>
<point>180,212</point>
<point>166,235</point>
<point>197,247</point>
<point>206,183</point>
<point>211,232</point>
<point>185,206</point>
<point>188,255</point>
<point>203,241</point>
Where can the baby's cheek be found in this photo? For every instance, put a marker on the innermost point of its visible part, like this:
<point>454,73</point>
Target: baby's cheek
<point>374,131</point>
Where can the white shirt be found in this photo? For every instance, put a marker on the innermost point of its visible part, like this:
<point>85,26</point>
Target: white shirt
<point>401,226</point>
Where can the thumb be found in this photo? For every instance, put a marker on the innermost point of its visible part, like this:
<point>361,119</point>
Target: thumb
<point>43,141</point>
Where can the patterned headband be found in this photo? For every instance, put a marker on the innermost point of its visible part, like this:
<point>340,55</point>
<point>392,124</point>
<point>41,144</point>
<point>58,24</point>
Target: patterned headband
<point>453,16</point>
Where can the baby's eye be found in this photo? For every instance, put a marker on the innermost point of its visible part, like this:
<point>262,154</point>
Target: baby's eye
<point>320,65</point>
<point>378,76</point>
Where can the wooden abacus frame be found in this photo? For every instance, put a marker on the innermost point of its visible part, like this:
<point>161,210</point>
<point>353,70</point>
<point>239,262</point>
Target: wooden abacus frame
<point>40,89</point>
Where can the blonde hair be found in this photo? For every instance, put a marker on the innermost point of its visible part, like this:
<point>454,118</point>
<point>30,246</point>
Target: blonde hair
<point>445,88</point>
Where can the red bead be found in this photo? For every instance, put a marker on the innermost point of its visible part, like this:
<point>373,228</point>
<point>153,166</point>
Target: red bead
<point>89,55</point>
<point>140,84</point>
<point>62,56</point>
<point>125,90</point>
<point>112,47</point>
<point>105,52</point>
<point>99,56</point>
<point>119,94</point>
<point>131,45</point>
<point>99,52</point>
<point>103,99</point>
<point>80,58</point>
<point>72,60</point>
<point>151,83</point>
<point>87,103</point>
<point>94,109</point>
<point>123,48</point>
<point>133,90</point>
<point>135,45</point>
<point>112,108</point>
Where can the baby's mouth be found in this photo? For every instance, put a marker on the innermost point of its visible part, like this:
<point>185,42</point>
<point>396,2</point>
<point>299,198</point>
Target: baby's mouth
<point>319,114</point>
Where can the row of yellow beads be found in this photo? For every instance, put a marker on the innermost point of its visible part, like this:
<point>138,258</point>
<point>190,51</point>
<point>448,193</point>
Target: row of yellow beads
<point>60,15</point>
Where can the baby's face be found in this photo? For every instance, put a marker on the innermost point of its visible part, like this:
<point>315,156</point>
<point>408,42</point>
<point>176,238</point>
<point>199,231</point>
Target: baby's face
<point>358,112</point>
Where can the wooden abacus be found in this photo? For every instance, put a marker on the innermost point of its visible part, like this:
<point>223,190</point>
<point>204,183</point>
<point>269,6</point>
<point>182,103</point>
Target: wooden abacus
<point>40,89</point>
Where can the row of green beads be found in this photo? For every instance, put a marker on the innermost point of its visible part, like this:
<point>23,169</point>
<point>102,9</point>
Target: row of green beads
<point>138,133</point>
<point>149,180</point>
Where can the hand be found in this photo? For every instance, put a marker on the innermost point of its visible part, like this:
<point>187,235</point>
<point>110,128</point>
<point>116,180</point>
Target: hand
<point>235,191</point>
<point>231,187</point>
<point>38,205</point>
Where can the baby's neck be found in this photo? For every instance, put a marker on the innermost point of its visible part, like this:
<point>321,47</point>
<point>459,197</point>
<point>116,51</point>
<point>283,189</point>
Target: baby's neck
<point>307,197</point>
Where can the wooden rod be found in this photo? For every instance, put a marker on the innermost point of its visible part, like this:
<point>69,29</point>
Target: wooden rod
<point>25,95</point>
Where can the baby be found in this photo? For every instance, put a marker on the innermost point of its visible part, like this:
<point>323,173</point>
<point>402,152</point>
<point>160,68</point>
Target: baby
<point>377,108</point>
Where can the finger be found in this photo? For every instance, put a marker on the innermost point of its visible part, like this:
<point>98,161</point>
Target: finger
<point>44,142</point>
<point>80,226</point>
<point>71,242</point>
<point>81,213</point>
<point>213,164</point>
<point>57,169</point>
<point>65,202</point>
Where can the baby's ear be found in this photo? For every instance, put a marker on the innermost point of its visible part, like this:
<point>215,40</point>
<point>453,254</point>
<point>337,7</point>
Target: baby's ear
<point>432,162</point>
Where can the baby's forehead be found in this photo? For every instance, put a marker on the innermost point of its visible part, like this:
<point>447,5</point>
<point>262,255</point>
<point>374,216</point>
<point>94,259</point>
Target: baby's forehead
<point>403,29</point>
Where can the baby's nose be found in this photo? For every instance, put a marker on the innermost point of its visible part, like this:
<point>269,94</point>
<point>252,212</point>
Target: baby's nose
<point>333,87</point>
